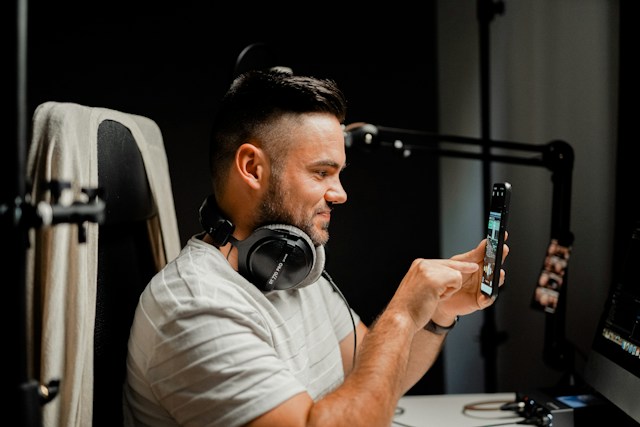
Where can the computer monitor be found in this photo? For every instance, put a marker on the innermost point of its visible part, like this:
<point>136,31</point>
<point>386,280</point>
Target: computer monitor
<point>613,364</point>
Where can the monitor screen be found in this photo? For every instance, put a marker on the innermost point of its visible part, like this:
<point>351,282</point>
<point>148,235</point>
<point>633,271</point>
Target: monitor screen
<point>613,365</point>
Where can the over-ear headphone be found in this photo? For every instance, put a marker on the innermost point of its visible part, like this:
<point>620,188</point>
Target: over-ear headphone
<point>273,257</point>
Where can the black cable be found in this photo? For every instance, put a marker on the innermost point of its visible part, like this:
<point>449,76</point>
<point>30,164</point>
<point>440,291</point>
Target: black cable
<point>353,322</point>
<point>485,405</point>
<point>400,411</point>
<point>539,419</point>
<point>500,424</point>
<point>491,405</point>
<point>529,421</point>
<point>398,423</point>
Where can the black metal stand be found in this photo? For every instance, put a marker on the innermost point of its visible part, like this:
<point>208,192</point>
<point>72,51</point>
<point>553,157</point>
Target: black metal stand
<point>490,338</point>
<point>557,156</point>
<point>17,216</point>
<point>25,394</point>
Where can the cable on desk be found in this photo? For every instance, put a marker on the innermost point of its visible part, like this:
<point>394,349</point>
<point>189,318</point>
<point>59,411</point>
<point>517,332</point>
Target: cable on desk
<point>533,421</point>
<point>400,411</point>
<point>500,424</point>
<point>398,423</point>
<point>490,405</point>
<point>535,418</point>
<point>485,405</point>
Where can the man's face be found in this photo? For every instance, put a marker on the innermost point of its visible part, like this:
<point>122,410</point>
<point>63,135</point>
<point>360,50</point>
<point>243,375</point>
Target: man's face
<point>302,192</point>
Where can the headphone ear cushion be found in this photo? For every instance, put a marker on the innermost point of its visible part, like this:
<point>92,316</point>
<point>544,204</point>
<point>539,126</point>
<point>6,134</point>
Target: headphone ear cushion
<point>280,257</point>
<point>318,260</point>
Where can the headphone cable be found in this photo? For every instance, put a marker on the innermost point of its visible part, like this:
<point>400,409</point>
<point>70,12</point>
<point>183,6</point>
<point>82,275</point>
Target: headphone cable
<point>353,322</point>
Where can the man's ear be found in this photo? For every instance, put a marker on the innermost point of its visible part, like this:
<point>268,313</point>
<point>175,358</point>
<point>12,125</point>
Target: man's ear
<point>251,164</point>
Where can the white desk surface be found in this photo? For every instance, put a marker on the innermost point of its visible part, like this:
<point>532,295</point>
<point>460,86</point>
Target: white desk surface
<point>448,411</point>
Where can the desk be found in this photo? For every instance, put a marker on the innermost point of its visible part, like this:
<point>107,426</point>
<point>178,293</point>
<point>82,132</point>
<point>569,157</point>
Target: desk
<point>447,410</point>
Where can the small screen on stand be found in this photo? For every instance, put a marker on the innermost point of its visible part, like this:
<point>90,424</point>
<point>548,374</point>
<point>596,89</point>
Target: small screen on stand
<point>547,293</point>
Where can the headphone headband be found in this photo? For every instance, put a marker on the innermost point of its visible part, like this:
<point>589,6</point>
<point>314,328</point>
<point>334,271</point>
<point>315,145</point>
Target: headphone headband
<point>215,225</point>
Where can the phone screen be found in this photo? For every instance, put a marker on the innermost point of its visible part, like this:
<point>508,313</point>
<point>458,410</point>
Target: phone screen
<point>496,226</point>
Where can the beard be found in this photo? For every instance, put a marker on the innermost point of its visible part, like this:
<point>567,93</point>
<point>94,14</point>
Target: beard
<point>273,210</point>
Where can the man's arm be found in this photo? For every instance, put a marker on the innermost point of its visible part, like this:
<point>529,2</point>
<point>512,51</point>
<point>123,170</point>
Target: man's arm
<point>370,392</point>
<point>426,345</point>
<point>425,349</point>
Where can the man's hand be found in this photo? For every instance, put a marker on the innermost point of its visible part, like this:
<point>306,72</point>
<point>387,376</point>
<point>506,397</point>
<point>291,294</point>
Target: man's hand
<point>468,298</point>
<point>427,283</point>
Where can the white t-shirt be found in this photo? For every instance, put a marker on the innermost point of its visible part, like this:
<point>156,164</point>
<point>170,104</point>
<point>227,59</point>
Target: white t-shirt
<point>209,348</point>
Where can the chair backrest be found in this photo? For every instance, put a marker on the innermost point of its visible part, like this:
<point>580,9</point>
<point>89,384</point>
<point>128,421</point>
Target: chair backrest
<point>84,279</point>
<point>125,263</point>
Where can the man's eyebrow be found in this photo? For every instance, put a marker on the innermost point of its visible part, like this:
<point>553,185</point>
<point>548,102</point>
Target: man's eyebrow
<point>329,163</point>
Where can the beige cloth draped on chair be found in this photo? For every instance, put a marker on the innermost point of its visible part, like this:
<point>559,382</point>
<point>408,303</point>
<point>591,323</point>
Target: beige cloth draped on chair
<point>61,271</point>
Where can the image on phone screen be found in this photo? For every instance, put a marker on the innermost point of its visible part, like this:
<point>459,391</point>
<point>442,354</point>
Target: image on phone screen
<point>496,225</point>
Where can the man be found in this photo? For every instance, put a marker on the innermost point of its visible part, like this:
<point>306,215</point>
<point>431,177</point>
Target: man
<point>241,328</point>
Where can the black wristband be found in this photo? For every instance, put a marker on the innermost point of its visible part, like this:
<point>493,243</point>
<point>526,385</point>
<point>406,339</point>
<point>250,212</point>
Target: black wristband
<point>438,329</point>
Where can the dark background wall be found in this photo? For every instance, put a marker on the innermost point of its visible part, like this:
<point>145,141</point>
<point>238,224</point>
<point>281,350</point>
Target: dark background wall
<point>628,148</point>
<point>173,66</point>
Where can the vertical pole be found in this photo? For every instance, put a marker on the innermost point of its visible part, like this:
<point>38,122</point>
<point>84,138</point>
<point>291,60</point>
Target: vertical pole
<point>24,397</point>
<point>557,352</point>
<point>490,338</point>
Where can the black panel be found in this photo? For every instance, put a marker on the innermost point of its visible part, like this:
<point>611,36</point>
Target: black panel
<point>628,152</point>
<point>125,264</point>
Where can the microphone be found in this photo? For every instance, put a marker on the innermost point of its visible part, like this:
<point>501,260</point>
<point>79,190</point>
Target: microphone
<point>361,134</point>
<point>366,137</point>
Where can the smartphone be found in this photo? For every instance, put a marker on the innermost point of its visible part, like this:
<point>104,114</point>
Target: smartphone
<point>496,227</point>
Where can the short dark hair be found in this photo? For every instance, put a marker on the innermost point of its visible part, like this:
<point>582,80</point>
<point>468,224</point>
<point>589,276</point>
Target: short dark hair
<point>256,99</point>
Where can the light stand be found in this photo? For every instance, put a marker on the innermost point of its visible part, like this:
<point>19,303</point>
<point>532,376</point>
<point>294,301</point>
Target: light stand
<point>557,156</point>
<point>17,216</point>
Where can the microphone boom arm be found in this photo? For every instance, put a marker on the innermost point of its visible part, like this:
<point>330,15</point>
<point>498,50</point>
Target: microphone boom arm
<point>553,155</point>
<point>557,156</point>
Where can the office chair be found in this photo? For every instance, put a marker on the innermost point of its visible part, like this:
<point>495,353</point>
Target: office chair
<point>83,302</point>
<point>125,263</point>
